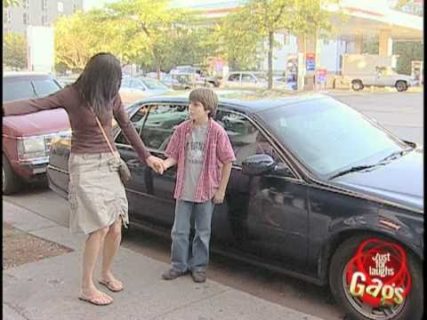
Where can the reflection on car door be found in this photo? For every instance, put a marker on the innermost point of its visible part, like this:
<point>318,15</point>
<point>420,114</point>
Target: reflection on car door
<point>267,215</point>
<point>156,133</point>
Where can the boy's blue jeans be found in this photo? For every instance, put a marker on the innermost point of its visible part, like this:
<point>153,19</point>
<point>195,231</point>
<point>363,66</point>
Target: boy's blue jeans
<point>181,232</point>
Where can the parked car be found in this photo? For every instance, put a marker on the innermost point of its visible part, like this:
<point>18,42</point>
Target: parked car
<point>384,77</point>
<point>198,74</point>
<point>318,191</point>
<point>27,138</point>
<point>249,80</point>
<point>135,88</point>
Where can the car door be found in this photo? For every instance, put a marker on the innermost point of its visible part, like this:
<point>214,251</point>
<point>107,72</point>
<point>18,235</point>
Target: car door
<point>158,127</point>
<point>266,215</point>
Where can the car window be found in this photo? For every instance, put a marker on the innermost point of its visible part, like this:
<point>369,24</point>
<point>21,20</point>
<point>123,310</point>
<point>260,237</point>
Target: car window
<point>137,120</point>
<point>45,87</point>
<point>153,84</point>
<point>16,90</point>
<point>248,78</point>
<point>137,84</point>
<point>160,124</point>
<point>234,77</point>
<point>245,138</point>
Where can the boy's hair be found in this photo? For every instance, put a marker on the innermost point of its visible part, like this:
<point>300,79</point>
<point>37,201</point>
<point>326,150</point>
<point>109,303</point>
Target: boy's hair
<point>207,98</point>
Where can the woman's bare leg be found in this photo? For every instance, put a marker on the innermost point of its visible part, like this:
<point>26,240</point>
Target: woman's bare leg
<point>90,254</point>
<point>111,246</point>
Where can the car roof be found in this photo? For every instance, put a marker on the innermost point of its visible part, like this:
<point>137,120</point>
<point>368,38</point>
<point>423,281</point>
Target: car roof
<point>26,75</point>
<point>242,100</point>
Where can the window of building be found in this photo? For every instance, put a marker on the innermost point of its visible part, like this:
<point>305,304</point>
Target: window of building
<point>26,4</point>
<point>44,4</point>
<point>26,18</point>
<point>60,7</point>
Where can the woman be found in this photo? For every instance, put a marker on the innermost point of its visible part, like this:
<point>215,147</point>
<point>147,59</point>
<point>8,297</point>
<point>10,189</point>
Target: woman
<point>96,194</point>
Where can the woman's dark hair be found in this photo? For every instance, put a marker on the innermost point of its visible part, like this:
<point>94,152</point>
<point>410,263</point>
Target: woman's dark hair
<point>100,81</point>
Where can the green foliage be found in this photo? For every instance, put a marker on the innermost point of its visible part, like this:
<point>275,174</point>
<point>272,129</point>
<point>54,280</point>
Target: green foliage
<point>11,3</point>
<point>143,32</point>
<point>408,51</point>
<point>14,51</point>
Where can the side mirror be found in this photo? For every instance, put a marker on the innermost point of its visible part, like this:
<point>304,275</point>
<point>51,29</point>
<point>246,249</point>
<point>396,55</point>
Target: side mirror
<point>257,164</point>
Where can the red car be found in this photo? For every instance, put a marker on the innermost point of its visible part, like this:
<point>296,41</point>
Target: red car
<point>27,138</point>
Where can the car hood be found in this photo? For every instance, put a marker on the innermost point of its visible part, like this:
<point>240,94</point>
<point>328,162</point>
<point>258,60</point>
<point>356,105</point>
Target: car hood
<point>399,181</point>
<point>43,122</point>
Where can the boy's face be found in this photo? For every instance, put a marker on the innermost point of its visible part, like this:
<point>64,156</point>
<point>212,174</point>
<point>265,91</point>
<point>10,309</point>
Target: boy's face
<point>197,112</point>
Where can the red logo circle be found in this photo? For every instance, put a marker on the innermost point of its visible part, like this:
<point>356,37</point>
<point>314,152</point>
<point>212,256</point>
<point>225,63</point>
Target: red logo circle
<point>378,273</point>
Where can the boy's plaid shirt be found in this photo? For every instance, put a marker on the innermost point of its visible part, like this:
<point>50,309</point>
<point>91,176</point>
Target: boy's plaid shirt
<point>217,151</point>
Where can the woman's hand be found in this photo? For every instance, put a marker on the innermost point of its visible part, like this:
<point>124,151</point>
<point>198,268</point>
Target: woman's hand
<point>156,164</point>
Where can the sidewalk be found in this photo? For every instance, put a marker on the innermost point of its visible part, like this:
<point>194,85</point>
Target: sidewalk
<point>48,288</point>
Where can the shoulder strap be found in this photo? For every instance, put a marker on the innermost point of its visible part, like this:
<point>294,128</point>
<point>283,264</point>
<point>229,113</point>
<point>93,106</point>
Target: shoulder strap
<point>103,132</point>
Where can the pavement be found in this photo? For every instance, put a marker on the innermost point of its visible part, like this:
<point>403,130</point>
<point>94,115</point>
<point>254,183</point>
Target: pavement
<point>47,286</point>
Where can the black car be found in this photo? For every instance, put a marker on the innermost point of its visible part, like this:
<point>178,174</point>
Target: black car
<point>318,191</point>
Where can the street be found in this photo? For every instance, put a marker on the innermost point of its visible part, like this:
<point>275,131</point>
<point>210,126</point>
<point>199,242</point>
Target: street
<point>401,113</point>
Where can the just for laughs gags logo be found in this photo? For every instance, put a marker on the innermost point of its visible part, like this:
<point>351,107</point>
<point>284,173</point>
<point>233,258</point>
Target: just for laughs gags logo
<point>378,274</point>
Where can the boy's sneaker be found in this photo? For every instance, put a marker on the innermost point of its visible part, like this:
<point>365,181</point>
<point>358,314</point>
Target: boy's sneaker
<point>199,276</point>
<point>172,274</point>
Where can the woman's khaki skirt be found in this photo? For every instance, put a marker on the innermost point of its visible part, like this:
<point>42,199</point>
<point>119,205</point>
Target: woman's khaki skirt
<point>96,194</point>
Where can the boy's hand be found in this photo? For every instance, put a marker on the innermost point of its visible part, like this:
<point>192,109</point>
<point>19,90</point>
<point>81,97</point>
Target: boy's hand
<point>218,197</point>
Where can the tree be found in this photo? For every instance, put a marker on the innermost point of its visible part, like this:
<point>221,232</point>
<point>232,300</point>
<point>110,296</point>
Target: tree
<point>14,51</point>
<point>153,34</point>
<point>260,19</point>
<point>75,41</point>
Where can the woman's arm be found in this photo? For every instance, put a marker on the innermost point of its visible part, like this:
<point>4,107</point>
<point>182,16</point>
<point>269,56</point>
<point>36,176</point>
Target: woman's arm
<point>19,107</point>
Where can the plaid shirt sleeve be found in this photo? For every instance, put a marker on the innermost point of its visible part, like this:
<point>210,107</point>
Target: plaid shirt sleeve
<point>172,150</point>
<point>224,149</point>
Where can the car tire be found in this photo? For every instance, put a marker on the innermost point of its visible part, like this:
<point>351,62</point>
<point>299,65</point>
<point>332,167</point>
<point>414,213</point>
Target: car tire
<point>11,182</point>
<point>401,86</point>
<point>412,307</point>
<point>357,85</point>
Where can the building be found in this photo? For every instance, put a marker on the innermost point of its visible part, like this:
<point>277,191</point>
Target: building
<point>37,13</point>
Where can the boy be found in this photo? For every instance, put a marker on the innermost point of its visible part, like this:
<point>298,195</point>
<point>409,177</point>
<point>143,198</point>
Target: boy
<point>198,146</point>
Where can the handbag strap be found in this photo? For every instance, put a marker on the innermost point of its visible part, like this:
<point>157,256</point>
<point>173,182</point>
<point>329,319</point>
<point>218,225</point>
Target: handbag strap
<point>103,133</point>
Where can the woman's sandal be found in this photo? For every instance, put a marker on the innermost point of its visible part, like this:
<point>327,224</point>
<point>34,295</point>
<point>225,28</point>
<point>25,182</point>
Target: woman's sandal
<point>95,300</point>
<point>109,285</point>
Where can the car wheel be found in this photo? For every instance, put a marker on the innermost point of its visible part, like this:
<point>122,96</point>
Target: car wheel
<point>401,86</point>
<point>357,85</point>
<point>11,182</point>
<point>396,296</point>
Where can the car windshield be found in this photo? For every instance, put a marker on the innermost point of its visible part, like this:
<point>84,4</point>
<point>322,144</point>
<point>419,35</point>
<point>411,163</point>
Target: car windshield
<point>327,136</point>
<point>22,88</point>
<point>153,84</point>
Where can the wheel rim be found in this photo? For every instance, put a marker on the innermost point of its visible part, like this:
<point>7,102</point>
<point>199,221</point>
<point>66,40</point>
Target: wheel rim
<point>368,311</point>
<point>356,86</point>
<point>367,270</point>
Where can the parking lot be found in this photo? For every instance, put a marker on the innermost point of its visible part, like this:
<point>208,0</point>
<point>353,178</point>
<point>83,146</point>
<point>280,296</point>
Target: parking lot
<point>401,113</point>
